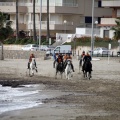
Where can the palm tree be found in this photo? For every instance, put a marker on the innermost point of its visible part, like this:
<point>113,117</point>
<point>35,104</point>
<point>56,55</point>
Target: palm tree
<point>116,29</point>
<point>5,31</point>
<point>34,27</point>
<point>17,27</point>
<point>48,33</point>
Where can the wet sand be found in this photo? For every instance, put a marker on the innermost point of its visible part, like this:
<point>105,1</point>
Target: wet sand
<point>95,99</point>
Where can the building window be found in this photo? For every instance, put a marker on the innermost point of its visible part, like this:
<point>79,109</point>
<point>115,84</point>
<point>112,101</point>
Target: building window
<point>88,19</point>
<point>99,3</point>
<point>106,34</point>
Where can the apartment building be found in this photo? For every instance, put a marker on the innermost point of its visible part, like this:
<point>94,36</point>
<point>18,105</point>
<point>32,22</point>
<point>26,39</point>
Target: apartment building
<point>64,15</point>
<point>109,21</point>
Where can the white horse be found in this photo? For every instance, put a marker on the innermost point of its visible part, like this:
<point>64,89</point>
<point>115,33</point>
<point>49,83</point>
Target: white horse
<point>80,64</point>
<point>32,67</point>
<point>68,70</point>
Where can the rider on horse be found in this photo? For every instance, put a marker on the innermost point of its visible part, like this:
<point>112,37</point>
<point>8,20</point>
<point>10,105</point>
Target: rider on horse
<point>68,57</point>
<point>30,60</point>
<point>87,57</point>
<point>59,59</point>
<point>83,54</point>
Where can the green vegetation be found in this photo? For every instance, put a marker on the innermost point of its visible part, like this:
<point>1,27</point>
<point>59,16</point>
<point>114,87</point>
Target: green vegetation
<point>116,29</point>
<point>98,42</point>
<point>24,41</point>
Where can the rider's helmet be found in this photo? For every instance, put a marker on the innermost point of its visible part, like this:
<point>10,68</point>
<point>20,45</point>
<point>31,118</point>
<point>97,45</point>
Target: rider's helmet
<point>32,55</point>
<point>87,53</point>
<point>83,51</point>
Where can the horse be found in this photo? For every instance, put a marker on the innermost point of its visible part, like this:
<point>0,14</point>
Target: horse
<point>60,69</point>
<point>80,64</point>
<point>68,70</point>
<point>87,69</point>
<point>32,67</point>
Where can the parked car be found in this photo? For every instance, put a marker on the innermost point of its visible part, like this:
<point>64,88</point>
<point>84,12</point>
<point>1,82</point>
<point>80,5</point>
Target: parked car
<point>31,47</point>
<point>100,51</point>
<point>60,49</point>
<point>118,53</point>
<point>45,48</point>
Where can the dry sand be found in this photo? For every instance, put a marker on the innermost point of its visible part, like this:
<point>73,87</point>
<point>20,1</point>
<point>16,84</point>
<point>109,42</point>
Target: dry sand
<point>83,99</point>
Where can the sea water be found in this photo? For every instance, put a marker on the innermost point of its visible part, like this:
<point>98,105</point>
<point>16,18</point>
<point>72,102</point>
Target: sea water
<point>20,98</point>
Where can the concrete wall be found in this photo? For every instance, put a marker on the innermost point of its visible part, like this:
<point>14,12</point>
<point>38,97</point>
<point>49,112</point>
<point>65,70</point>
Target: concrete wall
<point>79,50</point>
<point>19,54</point>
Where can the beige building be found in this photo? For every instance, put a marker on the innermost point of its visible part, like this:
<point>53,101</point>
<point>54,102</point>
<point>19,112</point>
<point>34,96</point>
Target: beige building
<point>64,15</point>
<point>108,21</point>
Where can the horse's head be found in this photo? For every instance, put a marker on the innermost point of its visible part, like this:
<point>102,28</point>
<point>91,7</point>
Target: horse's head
<point>33,59</point>
<point>68,62</point>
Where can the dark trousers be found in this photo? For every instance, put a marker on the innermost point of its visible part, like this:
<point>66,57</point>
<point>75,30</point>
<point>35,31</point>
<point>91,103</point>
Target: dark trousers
<point>54,63</point>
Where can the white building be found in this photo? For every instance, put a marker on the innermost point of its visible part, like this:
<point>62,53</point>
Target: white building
<point>64,15</point>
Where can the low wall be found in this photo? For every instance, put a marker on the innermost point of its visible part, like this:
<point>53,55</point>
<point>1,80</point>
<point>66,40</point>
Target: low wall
<point>79,50</point>
<point>20,54</point>
<point>13,47</point>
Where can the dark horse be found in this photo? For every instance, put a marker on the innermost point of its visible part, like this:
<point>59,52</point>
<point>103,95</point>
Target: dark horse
<point>80,64</point>
<point>60,69</point>
<point>87,68</point>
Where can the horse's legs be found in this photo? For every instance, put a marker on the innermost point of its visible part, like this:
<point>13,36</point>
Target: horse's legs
<point>29,71</point>
<point>32,71</point>
<point>56,74</point>
<point>61,74</point>
<point>89,75</point>
<point>36,69</point>
<point>66,75</point>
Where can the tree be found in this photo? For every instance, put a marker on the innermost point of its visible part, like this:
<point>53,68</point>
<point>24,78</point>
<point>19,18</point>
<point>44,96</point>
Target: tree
<point>116,29</point>
<point>17,27</point>
<point>34,27</point>
<point>48,30</point>
<point>5,30</point>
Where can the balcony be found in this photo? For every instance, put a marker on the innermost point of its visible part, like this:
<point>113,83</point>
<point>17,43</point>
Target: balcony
<point>10,7</point>
<point>112,3</point>
<point>53,25</point>
<point>108,21</point>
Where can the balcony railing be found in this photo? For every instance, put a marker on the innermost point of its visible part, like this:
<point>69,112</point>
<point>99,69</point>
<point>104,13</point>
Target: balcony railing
<point>110,3</point>
<point>108,20</point>
<point>7,3</point>
<point>37,4</point>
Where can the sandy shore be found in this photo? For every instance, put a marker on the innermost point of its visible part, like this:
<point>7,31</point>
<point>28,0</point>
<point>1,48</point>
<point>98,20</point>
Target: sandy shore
<point>95,99</point>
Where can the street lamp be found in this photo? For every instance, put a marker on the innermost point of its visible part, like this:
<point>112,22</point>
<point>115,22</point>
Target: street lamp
<point>30,28</point>
<point>95,33</point>
<point>65,22</point>
<point>40,24</point>
<point>92,36</point>
<point>96,22</point>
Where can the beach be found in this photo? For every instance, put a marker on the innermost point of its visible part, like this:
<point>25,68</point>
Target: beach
<point>74,99</point>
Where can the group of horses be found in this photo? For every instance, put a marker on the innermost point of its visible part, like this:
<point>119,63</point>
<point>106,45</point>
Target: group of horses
<point>65,67</point>
<point>68,70</point>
